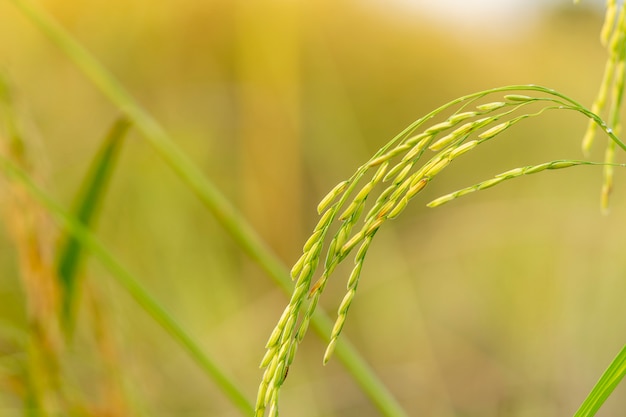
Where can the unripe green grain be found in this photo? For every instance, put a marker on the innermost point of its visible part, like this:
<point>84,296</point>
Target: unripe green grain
<point>402,174</point>
<point>298,293</point>
<point>441,200</point>
<point>462,116</point>
<point>297,267</point>
<point>329,351</point>
<point>352,208</point>
<point>306,271</point>
<point>484,121</point>
<point>283,318</point>
<point>325,219</point>
<point>360,254</point>
<point>491,106</point>
<point>400,189</point>
<point>269,355</point>
<point>352,242</point>
<point>379,160</point>
<point>341,319</point>
<point>332,248</point>
<point>519,97</point>
<point>428,165</point>
<point>374,210</point>
<point>398,208</point>
<point>347,300</point>
<point>536,168</point>
<point>418,138</point>
<point>488,134</point>
<point>354,275</point>
<point>417,149</point>
<point>512,173</point>
<point>373,226</point>
<point>280,373</point>
<point>565,164</point>
<point>490,183</point>
<point>393,172</point>
<point>292,353</point>
<point>274,337</point>
<point>304,326</point>
<point>439,127</point>
<point>416,187</point>
<point>261,397</point>
<point>338,189</point>
<point>271,370</point>
<point>437,168</point>
<point>386,193</point>
<point>380,173</point>
<point>456,134</point>
<point>365,191</point>
<point>343,235</point>
<point>443,142</point>
<point>313,251</point>
<point>463,148</point>
<point>315,237</point>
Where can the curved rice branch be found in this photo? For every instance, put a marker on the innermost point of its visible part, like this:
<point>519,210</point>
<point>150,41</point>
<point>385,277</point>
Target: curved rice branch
<point>512,174</point>
<point>396,165</point>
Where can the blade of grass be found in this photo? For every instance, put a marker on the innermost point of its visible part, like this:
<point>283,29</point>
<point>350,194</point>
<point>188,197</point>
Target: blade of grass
<point>89,200</point>
<point>605,386</point>
<point>87,240</point>
<point>221,208</point>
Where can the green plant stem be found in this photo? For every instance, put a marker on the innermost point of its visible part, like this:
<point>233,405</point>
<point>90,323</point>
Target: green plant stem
<point>220,207</point>
<point>605,386</point>
<point>75,228</point>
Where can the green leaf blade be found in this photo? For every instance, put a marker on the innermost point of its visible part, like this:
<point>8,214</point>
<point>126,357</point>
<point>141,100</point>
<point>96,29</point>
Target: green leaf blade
<point>605,386</point>
<point>88,201</point>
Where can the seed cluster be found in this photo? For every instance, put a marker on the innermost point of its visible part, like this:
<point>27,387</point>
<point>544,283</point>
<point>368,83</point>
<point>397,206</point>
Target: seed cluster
<point>396,167</point>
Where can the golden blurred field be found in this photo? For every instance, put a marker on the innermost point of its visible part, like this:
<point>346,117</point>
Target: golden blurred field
<point>508,302</point>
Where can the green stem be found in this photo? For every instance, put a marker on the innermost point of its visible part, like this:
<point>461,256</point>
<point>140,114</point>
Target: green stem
<point>221,208</point>
<point>132,286</point>
<point>605,386</point>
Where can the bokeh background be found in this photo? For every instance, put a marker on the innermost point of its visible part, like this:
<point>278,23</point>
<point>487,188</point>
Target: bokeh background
<point>508,302</point>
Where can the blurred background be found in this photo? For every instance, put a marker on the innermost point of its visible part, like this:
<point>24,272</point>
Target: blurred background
<point>508,302</point>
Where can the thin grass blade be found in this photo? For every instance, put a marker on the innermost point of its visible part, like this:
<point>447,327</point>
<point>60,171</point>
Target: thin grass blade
<point>88,202</point>
<point>605,386</point>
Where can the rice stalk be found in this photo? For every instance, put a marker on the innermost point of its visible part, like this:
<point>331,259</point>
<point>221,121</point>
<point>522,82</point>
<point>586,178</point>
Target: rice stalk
<point>485,121</point>
<point>511,174</point>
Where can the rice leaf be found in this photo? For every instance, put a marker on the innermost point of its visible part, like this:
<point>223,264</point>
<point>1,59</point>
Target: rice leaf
<point>88,202</point>
<point>605,386</point>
